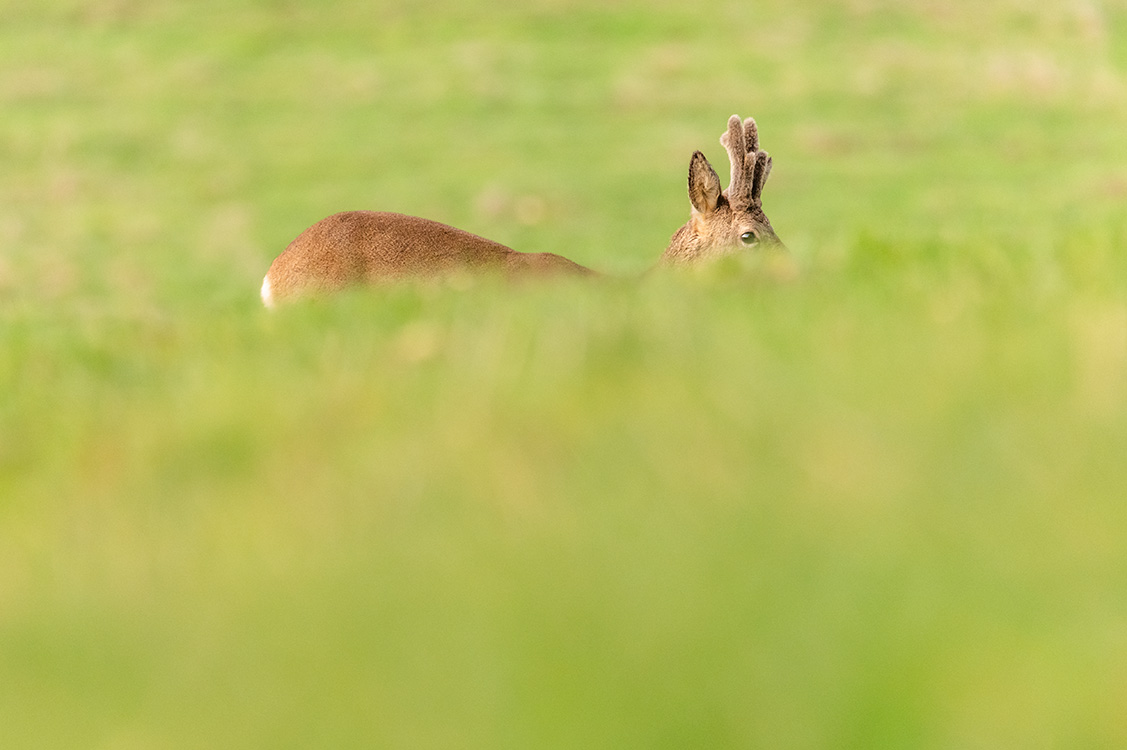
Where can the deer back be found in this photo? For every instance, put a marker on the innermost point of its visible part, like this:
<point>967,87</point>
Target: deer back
<point>363,247</point>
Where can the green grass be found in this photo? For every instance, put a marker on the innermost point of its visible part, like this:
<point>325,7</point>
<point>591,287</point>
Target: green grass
<point>872,499</point>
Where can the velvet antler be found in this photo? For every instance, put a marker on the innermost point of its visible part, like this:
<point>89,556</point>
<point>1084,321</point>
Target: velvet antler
<point>750,165</point>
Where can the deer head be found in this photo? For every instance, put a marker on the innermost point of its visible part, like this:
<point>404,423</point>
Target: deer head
<point>723,223</point>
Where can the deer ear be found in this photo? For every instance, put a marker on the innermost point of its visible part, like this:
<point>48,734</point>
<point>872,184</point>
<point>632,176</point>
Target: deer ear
<point>704,185</point>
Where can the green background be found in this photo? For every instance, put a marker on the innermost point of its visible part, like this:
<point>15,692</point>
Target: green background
<point>872,497</point>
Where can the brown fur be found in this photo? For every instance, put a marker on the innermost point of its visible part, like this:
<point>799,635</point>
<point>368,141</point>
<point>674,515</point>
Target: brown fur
<point>364,247</point>
<point>357,247</point>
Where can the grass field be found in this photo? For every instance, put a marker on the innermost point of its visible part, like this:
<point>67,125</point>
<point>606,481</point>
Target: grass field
<point>875,500</point>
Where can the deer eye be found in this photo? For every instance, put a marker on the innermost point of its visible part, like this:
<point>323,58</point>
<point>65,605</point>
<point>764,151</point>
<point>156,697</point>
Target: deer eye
<point>749,238</point>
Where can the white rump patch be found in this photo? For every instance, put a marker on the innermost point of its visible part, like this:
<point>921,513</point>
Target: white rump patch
<point>267,295</point>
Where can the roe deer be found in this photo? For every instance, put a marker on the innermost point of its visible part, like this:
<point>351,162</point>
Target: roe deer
<point>369,246</point>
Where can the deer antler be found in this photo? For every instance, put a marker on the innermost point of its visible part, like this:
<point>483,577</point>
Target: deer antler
<point>750,165</point>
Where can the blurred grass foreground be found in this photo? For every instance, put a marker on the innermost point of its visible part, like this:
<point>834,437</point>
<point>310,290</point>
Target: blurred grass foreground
<point>877,505</point>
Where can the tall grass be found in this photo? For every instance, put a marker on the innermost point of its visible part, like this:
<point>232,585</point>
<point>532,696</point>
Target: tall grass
<point>872,497</point>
